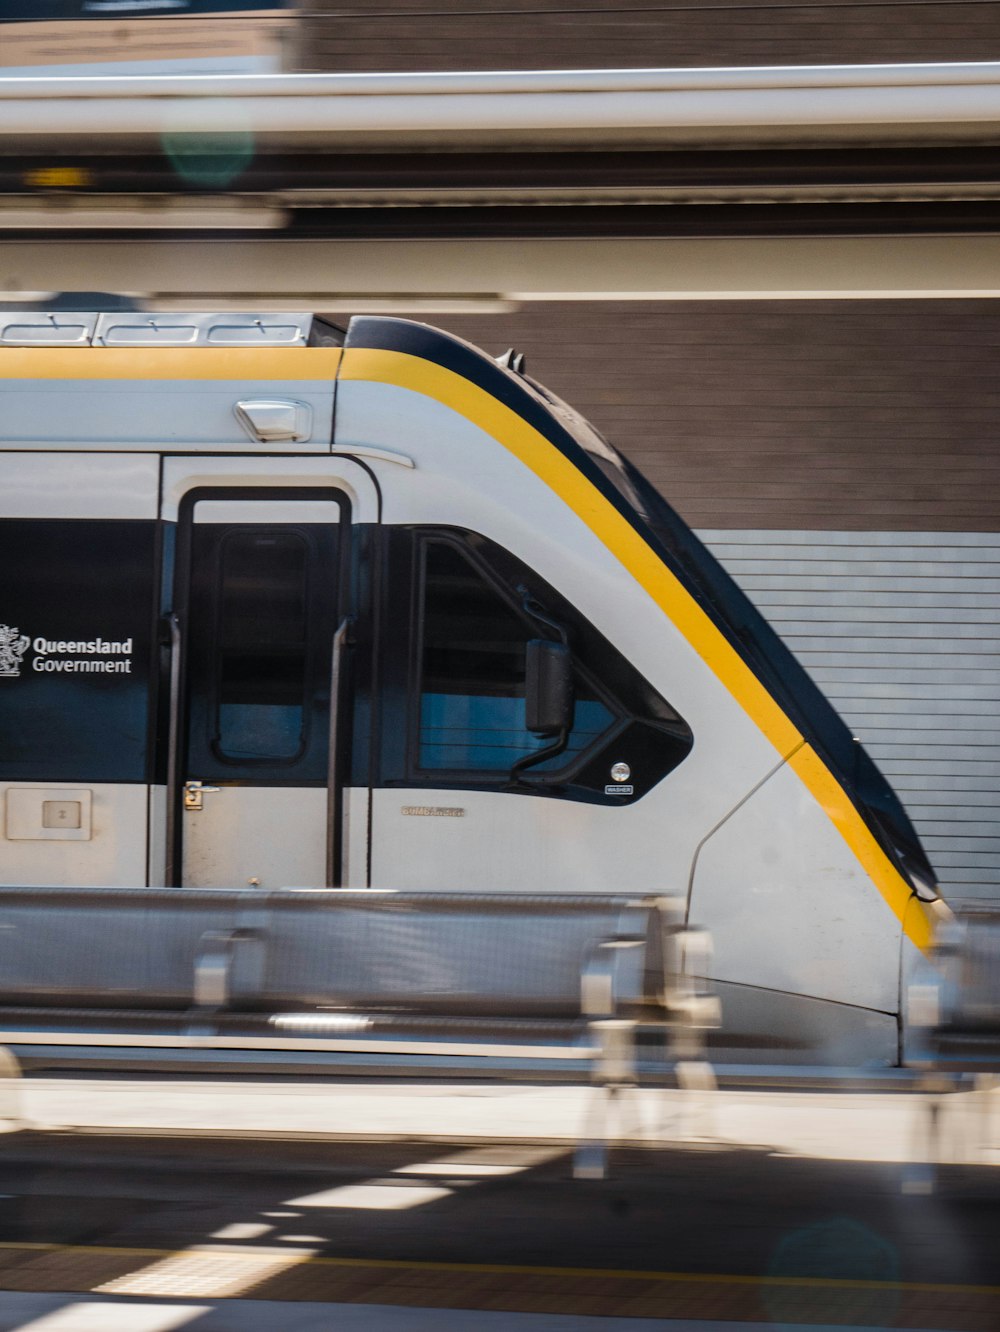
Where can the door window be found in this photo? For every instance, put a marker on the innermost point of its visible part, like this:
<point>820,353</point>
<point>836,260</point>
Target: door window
<point>263,678</point>
<point>260,621</point>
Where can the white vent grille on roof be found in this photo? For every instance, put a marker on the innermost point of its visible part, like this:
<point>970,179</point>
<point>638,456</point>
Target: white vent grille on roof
<point>33,328</point>
<point>142,328</point>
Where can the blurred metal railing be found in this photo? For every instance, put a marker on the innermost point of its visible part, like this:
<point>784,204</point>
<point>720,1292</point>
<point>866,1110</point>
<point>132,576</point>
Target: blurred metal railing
<point>953,1040</point>
<point>954,1002</point>
<point>505,981</point>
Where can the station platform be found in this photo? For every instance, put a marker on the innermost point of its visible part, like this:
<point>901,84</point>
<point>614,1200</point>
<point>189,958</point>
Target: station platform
<point>235,1205</point>
<point>827,1124</point>
<point>66,1312</point>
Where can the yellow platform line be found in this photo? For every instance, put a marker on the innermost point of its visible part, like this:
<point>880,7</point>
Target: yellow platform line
<point>515,1269</point>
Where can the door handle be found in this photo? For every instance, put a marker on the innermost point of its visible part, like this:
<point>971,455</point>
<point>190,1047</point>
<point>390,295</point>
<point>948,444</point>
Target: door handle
<point>193,792</point>
<point>334,777</point>
<point>171,866</point>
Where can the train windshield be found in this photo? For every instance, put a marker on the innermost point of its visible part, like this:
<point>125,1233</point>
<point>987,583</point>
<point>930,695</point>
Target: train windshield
<point>774,664</point>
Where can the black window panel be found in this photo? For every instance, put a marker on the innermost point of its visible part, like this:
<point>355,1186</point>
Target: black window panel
<point>263,664</point>
<point>472,714</point>
<point>454,630</point>
<point>77,580</point>
<point>260,623</point>
<point>472,687</point>
<point>473,642</point>
<point>263,593</point>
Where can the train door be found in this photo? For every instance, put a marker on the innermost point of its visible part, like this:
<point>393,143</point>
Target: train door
<point>259,692</point>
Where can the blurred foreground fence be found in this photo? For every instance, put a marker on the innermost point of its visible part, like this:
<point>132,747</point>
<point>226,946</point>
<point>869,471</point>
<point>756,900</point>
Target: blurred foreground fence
<point>954,1043</point>
<point>497,985</point>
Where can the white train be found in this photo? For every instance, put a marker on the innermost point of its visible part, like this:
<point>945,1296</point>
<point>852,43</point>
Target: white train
<point>287,606</point>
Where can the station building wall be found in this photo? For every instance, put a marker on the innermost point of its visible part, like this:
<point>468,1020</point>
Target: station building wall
<point>841,460</point>
<point>397,35</point>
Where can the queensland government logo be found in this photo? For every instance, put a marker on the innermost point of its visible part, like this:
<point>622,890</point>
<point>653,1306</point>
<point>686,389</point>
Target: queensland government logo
<point>13,645</point>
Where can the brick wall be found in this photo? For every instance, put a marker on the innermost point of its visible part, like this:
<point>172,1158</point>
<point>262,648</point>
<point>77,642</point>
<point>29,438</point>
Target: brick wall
<point>789,414</point>
<point>546,34</point>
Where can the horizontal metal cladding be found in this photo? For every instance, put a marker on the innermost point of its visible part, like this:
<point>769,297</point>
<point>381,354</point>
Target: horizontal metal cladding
<point>918,679</point>
<point>927,102</point>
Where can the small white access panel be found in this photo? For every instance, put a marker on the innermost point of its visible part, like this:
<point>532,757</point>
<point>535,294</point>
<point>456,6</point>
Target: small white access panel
<point>44,814</point>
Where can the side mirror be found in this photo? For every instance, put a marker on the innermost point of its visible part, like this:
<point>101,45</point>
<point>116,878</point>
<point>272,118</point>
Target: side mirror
<point>548,687</point>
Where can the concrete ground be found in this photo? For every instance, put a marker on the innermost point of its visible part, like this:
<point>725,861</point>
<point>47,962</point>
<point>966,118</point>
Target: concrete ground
<point>402,1206</point>
<point>70,1313</point>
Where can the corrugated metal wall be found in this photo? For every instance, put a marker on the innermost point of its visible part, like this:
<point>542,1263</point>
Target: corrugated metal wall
<point>900,630</point>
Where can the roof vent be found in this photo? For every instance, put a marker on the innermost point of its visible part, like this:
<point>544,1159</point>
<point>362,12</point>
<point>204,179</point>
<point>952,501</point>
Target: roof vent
<point>149,329</point>
<point>37,328</point>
